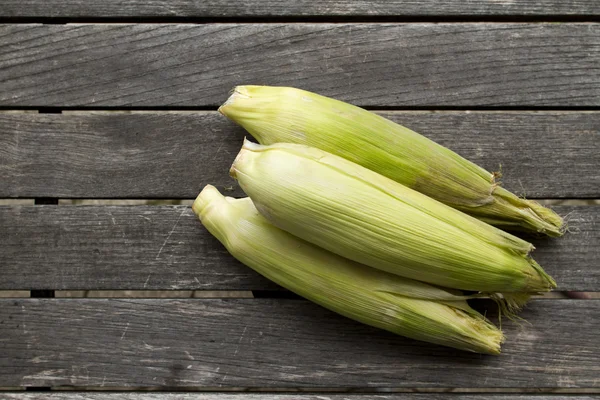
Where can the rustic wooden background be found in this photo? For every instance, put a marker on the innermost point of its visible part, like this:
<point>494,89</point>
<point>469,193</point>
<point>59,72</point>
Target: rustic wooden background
<point>117,100</point>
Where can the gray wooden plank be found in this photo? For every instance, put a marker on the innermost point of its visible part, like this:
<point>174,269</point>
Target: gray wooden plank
<point>420,64</point>
<point>268,343</point>
<point>308,8</point>
<point>166,247</point>
<point>296,396</point>
<point>166,154</point>
<point>143,248</point>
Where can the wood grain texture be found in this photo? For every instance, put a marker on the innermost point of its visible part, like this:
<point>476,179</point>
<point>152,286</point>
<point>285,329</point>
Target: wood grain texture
<point>266,343</point>
<point>296,396</point>
<point>166,247</point>
<point>271,8</point>
<point>111,247</point>
<point>173,155</point>
<point>196,65</point>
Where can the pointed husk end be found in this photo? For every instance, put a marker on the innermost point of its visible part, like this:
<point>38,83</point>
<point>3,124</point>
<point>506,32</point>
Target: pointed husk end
<point>494,339</point>
<point>206,197</point>
<point>489,337</point>
<point>238,92</point>
<point>245,152</point>
<point>540,281</point>
<point>531,215</point>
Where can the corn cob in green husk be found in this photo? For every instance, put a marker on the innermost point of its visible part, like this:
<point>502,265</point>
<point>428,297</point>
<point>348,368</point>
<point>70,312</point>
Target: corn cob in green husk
<point>280,114</point>
<point>366,217</point>
<point>403,306</point>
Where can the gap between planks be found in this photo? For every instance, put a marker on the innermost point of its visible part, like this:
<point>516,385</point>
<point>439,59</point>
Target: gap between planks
<point>189,202</point>
<point>136,294</point>
<point>351,393</point>
<point>223,294</point>
<point>301,19</point>
<point>212,109</point>
<point>391,110</point>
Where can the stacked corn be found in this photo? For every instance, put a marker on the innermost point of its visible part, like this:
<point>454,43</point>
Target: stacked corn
<point>355,213</point>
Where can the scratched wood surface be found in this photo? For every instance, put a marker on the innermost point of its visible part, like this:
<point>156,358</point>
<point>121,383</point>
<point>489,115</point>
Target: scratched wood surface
<point>298,396</point>
<point>276,343</point>
<point>174,154</point>
<point>308,8</point>
<point>536,84</point>
<point>166,247</point>
<point>377,65</point>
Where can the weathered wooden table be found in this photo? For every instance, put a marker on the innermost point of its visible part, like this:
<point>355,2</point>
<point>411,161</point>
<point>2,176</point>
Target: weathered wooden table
<point>117,100</point>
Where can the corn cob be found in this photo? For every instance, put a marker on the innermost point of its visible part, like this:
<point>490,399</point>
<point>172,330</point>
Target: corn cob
<point>403,306</point>
<point>366,217</point>
<point>280,114</point>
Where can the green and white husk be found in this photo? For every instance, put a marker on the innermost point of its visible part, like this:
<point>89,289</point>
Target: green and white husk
<point>366,217</point>
<point>403,306</point>
<point>282,114</point>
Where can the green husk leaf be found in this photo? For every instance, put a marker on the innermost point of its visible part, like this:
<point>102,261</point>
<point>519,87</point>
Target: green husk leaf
<point>283,114</point>
<point>361,215</point>
<point>403,306</point>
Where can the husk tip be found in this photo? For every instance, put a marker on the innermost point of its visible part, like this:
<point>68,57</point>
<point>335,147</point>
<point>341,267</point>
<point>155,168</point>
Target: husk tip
<point>541,281</point>
<point>206,196</point>
<point>491,339</point>
<point>247,147</point>
<point>236,93</point>
<point>496,340</point>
